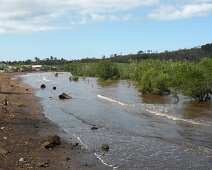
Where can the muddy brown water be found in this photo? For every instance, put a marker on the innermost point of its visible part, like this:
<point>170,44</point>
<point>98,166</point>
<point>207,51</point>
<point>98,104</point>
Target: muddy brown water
<point>143,131</point>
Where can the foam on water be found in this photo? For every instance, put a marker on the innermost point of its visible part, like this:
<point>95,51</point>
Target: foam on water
<point>55,82</point>
<point>176,118</point>
<point>45,79</point>
<point>171,117</point>
<point>112,100</point>
<point>99,157</point>
<point>206,152</point>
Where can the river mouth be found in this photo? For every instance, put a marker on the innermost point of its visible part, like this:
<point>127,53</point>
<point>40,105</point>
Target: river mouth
<point>143,132</point>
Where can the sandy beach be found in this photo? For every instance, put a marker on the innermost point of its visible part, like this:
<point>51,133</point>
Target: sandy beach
<point>24,129</point>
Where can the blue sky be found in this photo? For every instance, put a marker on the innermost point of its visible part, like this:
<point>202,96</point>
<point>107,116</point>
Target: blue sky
<point>74,29</point>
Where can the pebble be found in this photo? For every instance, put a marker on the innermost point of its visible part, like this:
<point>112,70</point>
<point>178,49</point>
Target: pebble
<point>67,159</point>
<point>48,145</point>
<point>105,147</point>
<point>94,128</point>
<point>3,152</point>
<point>21,160</point>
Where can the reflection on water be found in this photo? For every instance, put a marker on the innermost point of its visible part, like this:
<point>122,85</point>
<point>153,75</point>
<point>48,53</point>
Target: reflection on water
<point>107,83</point>
<point>157,99</point>
<point>196,109</point>
<point>144,132</point>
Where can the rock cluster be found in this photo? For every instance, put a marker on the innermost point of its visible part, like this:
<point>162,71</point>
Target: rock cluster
<point>51,142</point>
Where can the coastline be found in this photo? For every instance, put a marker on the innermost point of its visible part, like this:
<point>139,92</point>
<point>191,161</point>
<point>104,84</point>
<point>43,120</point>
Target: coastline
<point>24,128</point>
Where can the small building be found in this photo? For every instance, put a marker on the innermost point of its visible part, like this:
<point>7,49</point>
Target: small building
<point>36,67</point>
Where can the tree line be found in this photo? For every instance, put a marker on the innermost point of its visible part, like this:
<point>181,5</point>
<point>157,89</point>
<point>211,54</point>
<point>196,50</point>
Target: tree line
<point>193,54</point>
<point>37,61</point>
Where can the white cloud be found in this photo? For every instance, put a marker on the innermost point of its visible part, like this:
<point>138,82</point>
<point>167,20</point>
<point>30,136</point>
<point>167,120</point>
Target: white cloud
<point>103,17</point>
<point>41,15</point>
<point>47,15</point>
<point>170,12</point>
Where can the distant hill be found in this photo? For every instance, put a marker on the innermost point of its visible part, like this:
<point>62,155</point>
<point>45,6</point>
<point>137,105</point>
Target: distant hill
<point>193,54</point>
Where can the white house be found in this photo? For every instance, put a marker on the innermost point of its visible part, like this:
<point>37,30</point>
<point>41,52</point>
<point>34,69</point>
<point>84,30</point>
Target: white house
<point>37,67</point>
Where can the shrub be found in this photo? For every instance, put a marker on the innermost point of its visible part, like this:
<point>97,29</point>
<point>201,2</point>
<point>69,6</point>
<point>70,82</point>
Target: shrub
<point>107,70</point>
<point>73,78</point>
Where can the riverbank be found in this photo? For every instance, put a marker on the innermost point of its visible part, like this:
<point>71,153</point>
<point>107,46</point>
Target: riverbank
<point>24,128</point>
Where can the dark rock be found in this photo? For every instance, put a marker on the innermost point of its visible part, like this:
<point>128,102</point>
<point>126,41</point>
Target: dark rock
<point>48,145</point>
<point>67,159</point>
<point>35,126</point>
<point>11,85</point>
<point>54,88</point>
<point>64,96</point>
<point>27,89</point>
<point>43,86</point>
<point>105,147</point>
<point>76,144</point>
<point>94,128</point>
<point>54,139</point>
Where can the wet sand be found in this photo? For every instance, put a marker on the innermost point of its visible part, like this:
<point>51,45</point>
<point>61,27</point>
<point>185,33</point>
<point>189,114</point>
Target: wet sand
<point>24,128</point>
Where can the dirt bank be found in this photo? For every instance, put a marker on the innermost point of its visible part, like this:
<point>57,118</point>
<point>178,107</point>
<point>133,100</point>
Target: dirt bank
<point>23,130</point>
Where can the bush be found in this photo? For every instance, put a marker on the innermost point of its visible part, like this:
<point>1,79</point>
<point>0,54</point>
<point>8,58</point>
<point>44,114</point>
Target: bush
<point>107,70</point>
<point>73,78</point>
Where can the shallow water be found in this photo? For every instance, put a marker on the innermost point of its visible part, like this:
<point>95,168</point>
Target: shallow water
<point>144,132</point>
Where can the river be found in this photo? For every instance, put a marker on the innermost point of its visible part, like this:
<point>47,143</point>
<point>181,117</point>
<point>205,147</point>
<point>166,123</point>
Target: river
<point>143,131</point>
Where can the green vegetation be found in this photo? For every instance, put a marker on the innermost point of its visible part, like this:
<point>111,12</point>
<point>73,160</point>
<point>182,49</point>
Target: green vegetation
<point>73,78</point>
<point>81,69</point>
<point>162,77</point>
<point>196,80</point>
<point>207,47</point>
<point>107,70</point>
<point>155,76</point>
